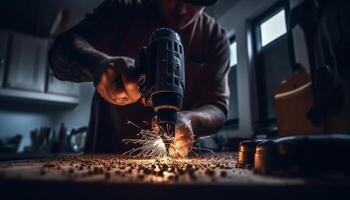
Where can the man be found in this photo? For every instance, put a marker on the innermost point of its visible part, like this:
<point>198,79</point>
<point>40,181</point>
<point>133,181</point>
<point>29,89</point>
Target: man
<point>119,28</point>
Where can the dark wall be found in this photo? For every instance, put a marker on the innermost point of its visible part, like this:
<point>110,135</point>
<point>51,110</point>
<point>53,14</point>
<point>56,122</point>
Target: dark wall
<point>35,17</point>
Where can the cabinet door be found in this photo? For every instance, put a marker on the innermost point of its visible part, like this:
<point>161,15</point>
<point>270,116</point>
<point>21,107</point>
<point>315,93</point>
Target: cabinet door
<point>56,86</point>
<point>4,39</point>
<point>27,63</point>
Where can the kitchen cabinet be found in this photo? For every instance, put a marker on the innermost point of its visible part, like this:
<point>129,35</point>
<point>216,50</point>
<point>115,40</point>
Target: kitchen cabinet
<point>55,86</point>
<point>4,39</point>
<point>24,74</point>
<point>27,63</point>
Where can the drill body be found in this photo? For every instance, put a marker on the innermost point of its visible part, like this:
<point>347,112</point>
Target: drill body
<point>161,70</point>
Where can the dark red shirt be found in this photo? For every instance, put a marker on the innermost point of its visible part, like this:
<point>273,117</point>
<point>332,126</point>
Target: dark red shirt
<point>121,28</point>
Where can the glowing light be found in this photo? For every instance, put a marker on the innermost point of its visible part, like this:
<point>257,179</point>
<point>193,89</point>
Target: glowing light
<point>153,143</point>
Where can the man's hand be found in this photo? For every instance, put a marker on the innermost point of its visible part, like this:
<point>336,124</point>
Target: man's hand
<point>118,84</point>
<point>184,137</point>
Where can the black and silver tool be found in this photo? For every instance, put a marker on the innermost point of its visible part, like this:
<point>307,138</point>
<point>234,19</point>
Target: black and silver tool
<point>161,70</point>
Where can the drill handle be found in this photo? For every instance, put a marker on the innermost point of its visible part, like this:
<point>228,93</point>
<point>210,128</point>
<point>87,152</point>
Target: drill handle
<point>141,74</point>
<point>140,67</point>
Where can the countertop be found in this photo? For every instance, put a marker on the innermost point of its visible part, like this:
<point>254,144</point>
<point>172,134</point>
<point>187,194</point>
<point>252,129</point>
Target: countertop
<point>207,176</point>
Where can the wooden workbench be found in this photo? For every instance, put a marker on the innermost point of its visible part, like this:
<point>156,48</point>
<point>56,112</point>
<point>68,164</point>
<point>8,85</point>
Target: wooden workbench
<point>118,177</point>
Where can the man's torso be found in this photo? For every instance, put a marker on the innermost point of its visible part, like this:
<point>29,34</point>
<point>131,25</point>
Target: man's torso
<point>110,124</point>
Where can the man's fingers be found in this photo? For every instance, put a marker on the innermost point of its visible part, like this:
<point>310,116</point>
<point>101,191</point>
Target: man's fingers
<point>182,143</point>
<point>122,97</point>
<point>108,85</point>
<point>184,133</point>
<point>111,73</point>
<point>102,91</point>
<point>177,150</point>
<point>107,90</point>
<point>118,84</point>
<point>130,79</point>
<point>133,90</point>
<point>143,101</point>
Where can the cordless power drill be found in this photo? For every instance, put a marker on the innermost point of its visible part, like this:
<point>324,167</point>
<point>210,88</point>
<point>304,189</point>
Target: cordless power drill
<point>161,71</point>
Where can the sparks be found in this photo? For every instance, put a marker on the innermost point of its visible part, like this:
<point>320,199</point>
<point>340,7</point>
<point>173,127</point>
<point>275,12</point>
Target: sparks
<point>187,124</point>
<point>132,123</point>
<point>153,142</point>
<point>151,145</point>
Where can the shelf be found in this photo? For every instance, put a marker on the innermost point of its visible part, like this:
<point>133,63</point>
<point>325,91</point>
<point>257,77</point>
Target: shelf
<point>35,97</point>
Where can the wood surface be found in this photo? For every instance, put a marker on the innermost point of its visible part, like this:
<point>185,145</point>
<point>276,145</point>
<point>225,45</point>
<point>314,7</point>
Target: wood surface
<point>209,176</point>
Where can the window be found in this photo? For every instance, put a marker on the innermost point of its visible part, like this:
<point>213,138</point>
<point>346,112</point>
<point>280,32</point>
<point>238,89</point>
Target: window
<point>233,54</point>
<point>233,106</point>
<point>273,54</point>
<point>273,28</point>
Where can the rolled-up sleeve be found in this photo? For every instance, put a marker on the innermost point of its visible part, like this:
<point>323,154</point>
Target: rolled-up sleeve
<point>214,88</point>
<point>77,53</point>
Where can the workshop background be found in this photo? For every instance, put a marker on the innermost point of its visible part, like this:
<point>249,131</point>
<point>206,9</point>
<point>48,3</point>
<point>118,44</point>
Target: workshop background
<point>34,103</point>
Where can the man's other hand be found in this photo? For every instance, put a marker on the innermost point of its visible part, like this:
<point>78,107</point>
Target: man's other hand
<point>184,137</point>
<point>118,83</point>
